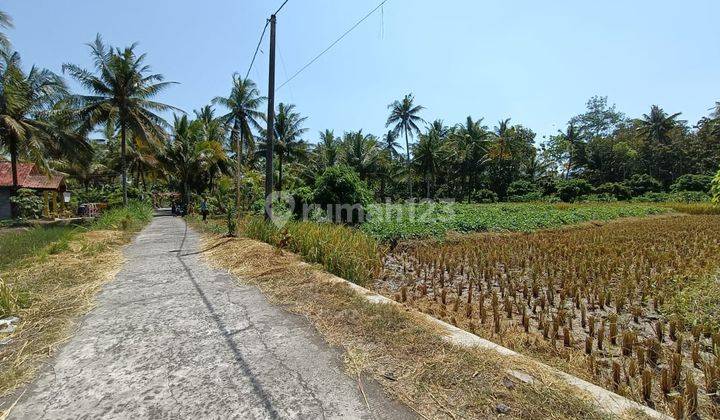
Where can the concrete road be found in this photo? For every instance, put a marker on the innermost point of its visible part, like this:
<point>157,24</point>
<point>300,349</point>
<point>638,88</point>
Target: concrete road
<point>173,338</point>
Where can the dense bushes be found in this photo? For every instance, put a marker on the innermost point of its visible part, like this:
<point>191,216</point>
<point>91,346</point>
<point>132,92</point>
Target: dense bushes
<point>571,189</point>
<point>692,183</point>
<point>519,188</point>
<point>618,190</point>
<point>641,184</point>
<point>340,185</point>
<point>483,196</point>
<point>28,204</point>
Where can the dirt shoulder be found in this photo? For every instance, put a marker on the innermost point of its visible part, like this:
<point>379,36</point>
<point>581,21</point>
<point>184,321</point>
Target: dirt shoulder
<point>396,347</point>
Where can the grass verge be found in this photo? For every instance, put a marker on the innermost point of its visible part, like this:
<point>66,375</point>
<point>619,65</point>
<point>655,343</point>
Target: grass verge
<point>50,289</point>
<point>398,348</point>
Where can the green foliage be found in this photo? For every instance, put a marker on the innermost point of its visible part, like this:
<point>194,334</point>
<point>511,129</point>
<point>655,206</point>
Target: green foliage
<point>29,205</point>
<point>715,189</point>
<point>677,197</point>
<point>131,217</point>
<point>14,246</point>
<point>529,197</point>
<point>389,222</point>
<point>340,185</point>
<point>598,198</point>
<point>231,220</point>
<point>691,182</point>
<point>694,301</point>
<point>483,196</point>
<point>521,187</point>
<point>640,184</point>
<point>619,190</point>
<point>570,190</point>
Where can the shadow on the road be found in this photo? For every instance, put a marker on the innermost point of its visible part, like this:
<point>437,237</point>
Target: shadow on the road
<point>219,244</point>
<point>227,335</point>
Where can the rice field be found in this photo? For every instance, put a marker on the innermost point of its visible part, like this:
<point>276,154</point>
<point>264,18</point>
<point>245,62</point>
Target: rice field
<point>632,305</point>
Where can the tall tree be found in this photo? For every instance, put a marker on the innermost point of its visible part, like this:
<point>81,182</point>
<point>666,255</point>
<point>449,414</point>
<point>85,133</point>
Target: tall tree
<point>27,118</point>
<point>5,23</point>
<point>288,142</point>
<point>428,155</point>
<point>656,126</point>
<point>390,143</point>
<point>361,152</point>
<point>404,119</point>
<point>121,93</point>
<point>599,119</point>
<point>243,104</point>
<point>469,145</point>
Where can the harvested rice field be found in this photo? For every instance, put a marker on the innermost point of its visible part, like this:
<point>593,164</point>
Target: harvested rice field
<point>632,305</point>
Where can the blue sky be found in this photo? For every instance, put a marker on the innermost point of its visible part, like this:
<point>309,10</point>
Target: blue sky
<point>537,62</point>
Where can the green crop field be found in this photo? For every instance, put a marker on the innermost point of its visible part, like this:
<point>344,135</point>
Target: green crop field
<point>407,221</point>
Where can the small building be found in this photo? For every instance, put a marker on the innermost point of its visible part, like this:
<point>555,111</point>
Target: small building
<point>51,185</point>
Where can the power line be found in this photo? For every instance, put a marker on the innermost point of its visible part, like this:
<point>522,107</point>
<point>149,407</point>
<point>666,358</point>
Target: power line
<point>280,8</point>
<point>257,48</point>
<point>331,45</point>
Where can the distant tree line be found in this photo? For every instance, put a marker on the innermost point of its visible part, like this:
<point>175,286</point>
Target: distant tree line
<point>114,142</point>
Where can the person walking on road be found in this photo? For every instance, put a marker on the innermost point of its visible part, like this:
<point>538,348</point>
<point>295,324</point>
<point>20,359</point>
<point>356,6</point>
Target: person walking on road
<point>204,209</point>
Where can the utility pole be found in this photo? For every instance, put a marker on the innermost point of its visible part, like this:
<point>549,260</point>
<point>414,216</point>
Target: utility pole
<point>270,124</point>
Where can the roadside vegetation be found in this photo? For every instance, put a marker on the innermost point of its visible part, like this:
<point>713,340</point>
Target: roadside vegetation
<point>49,288</point>
<point>394,347</point>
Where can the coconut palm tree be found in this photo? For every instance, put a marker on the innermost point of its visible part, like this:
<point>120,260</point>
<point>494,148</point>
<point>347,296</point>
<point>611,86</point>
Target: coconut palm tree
<point>656,126</point>
<point>121,92</point>
<point>468,143</point>
<point>243,104</point>
<point>5,23</point>
<point>404,119</point>
<point>572,136</point>
<point>390,144</point>
<point>31,123</point>
<point>428,156</point>
<point>288,145</point>
<point>328,148</point>
<point>361,152</point>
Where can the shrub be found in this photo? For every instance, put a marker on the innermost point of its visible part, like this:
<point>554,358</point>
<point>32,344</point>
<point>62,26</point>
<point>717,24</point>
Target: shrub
<point>689,197</point>
<point>519,188</point>
<point>598,198</point>
<point>640,184</point>
<point>131,217</point>
<point>691,182</point>
<point>571,189</point>
<point>341,185</point>
<point>29,205</point>
<point>620,191</point>
<point>532,196</point>
<point>715,189</point>
<point>653,197</point>
<point>483,195</point>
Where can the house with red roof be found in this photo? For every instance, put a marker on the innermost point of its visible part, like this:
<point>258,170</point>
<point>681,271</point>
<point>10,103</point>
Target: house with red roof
<point>51,184</point>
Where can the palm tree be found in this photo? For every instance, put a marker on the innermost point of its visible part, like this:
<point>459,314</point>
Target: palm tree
<point>404,118</point>
<point>716,129</point>
<point>328,148</point>
<point>121,93</point>
<point>468,143</point>
<point>288,145</point>
<point>656,126</point>
<point>572,138</point>
<point>243,116</point>
<point>428,156</point>
<point>390,144</point>
<point>189,158</point>
<point>361,152</point>
<point>30,124</point>
<point>6,23</point>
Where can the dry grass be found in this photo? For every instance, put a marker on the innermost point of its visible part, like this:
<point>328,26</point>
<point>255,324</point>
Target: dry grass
<point>396,347</point>
<point>56,289</point>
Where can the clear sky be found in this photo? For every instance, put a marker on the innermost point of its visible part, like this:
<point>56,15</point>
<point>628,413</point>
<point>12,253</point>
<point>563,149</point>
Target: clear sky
<point>535,61</point>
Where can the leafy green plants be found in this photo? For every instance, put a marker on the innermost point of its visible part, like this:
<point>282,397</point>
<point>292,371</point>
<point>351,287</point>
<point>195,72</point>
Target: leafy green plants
<point>29,205</point>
